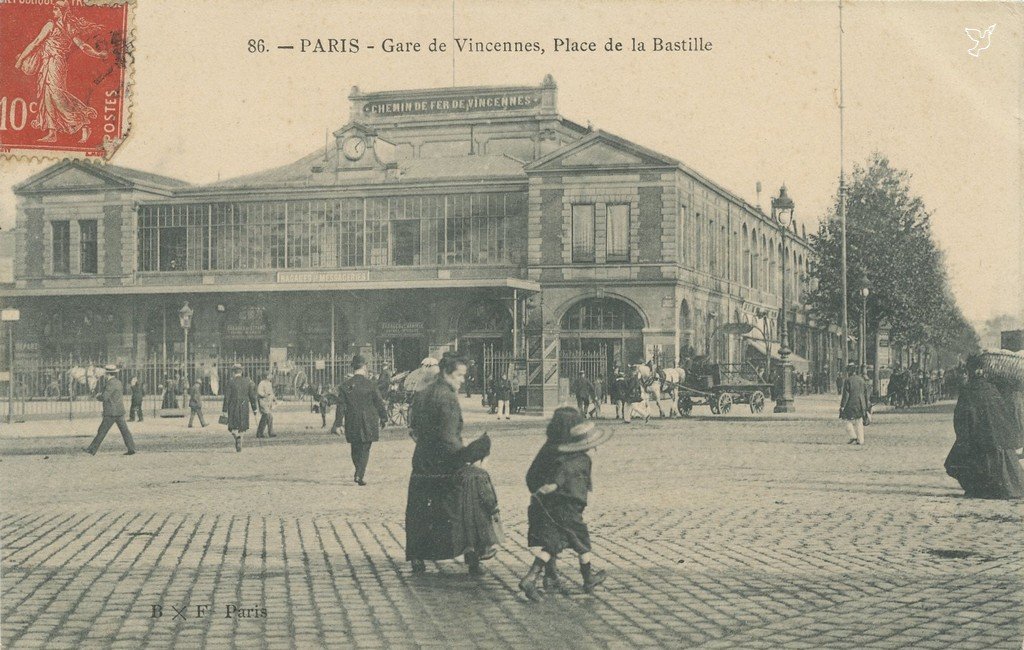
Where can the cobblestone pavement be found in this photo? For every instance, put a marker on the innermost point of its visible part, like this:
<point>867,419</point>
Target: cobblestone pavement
<point>729,534</point>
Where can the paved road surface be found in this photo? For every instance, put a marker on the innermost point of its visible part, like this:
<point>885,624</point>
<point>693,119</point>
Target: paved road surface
<point>715,534</point>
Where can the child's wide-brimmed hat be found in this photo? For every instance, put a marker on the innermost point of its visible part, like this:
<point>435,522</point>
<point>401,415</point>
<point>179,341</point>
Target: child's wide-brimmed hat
<point>584,436</point>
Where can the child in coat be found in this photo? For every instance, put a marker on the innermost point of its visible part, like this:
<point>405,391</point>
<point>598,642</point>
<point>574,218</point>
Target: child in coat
<point>559,482</point>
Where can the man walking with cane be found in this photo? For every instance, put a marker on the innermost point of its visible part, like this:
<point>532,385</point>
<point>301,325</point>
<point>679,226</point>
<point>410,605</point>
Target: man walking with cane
<point>112,395</point>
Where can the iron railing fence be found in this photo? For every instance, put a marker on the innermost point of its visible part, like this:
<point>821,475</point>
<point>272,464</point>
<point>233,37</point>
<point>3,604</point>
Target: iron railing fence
<point>67,389</point>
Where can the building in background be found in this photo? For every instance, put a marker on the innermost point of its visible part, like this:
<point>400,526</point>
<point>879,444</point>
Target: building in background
<point>474,219</point>
<point>1012,340</point>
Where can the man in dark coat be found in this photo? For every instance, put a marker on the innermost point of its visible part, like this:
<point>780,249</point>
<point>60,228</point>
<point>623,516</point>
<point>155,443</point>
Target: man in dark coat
<point>431,509</point>
<point>239,399</point>
<point>983,458</point>
<point>135,386</point>
<point>585,393</point>
<point>362,412</point>
<point>619,391</point>
<point>854,405</point>
<point>112,395</point>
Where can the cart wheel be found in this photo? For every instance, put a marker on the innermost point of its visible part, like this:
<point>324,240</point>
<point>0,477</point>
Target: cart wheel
<point>685,406</point>
<point>724,403</point>
<point>756,402</point>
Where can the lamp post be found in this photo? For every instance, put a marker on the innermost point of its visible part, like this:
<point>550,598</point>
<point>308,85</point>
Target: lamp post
<point>782,213</point>
<point>10,316</point>
<point>863,329</point>
<point>185,320</point>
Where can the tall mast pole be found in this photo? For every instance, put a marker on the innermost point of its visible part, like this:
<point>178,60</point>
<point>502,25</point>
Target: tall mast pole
<point>842,196</point>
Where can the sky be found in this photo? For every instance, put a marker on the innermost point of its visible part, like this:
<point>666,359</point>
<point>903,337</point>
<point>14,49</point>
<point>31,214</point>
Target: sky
<point>761,105</point>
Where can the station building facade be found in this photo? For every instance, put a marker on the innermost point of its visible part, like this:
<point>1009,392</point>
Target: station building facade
<point>474,219</point>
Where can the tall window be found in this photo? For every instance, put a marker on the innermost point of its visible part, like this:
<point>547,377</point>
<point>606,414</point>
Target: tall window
<point>698,228</point>
<point>712,247</point>
<point>618,233</point>
<point>681,236</point>
<point>583,242</point>
<point>61,246</point>
<point>88,250</point>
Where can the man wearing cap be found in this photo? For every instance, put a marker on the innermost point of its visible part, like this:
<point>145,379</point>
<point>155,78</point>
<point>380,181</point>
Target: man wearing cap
<point>112,396</point>
<point>239,399</point>
<point>361,411</point>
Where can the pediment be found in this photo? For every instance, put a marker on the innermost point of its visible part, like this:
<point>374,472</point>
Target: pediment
<point>354,128</point>
<point>74,179</point>
<point>71,176</point>
<point>600,154</point>
<point>601,150</point>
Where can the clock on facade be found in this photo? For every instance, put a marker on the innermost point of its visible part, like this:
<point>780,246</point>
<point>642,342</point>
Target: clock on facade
<point>353,147</point>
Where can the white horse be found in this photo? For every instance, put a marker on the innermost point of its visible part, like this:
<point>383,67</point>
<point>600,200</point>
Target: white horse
<point>84,379</point>
<point>650,385</point>
<point>659,384</point>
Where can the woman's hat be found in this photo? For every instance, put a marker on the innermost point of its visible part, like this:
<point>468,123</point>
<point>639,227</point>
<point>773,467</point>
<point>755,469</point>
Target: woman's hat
<point>110,367</point>
<point>429,361</point>
<point>236,366</point>
<point>562,421</point>
<point>584,436</point>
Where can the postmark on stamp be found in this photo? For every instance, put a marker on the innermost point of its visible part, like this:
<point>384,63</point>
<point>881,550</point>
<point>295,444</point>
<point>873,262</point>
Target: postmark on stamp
<point>64,77</point>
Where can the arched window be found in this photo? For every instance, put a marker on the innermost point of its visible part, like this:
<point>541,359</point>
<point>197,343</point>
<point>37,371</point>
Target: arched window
<point>773,269</point>
<point>753,259</point>
<point>801,277</point>
<point>763,285</point>
<point>746,256</point>
<point>601,314</point>
<point>793,274</point>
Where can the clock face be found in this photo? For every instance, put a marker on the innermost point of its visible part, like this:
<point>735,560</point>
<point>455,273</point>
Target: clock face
<point>353,148</point>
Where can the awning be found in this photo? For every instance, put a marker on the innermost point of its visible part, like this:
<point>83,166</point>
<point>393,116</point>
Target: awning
<point>799,363</point>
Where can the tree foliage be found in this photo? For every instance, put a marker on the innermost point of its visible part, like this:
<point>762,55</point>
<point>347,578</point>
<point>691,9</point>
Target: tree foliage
<point>890,250</point>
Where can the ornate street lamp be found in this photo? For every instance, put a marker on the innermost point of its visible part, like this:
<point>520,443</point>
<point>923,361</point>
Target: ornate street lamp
<point>782,213</point>
<point>185,320</point>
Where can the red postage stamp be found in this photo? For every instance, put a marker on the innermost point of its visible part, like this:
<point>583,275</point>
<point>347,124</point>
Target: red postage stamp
<point>64,77</point>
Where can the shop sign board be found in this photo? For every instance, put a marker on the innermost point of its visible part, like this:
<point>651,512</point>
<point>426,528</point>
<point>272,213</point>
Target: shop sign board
<point>401,328</point>
<point>321,277</point>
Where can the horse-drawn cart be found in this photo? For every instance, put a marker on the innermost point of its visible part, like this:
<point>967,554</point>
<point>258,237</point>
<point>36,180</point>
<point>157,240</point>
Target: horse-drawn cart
<point>720,386</point>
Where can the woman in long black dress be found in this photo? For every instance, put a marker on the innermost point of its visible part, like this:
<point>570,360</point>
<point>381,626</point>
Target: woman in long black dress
<point>983,458</point>
<point>432,510</point>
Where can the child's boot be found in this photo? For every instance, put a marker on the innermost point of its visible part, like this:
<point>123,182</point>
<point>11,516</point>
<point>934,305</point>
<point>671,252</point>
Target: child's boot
<point>552,581</point>
<point>529,583</point>
<point>591,577</point>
